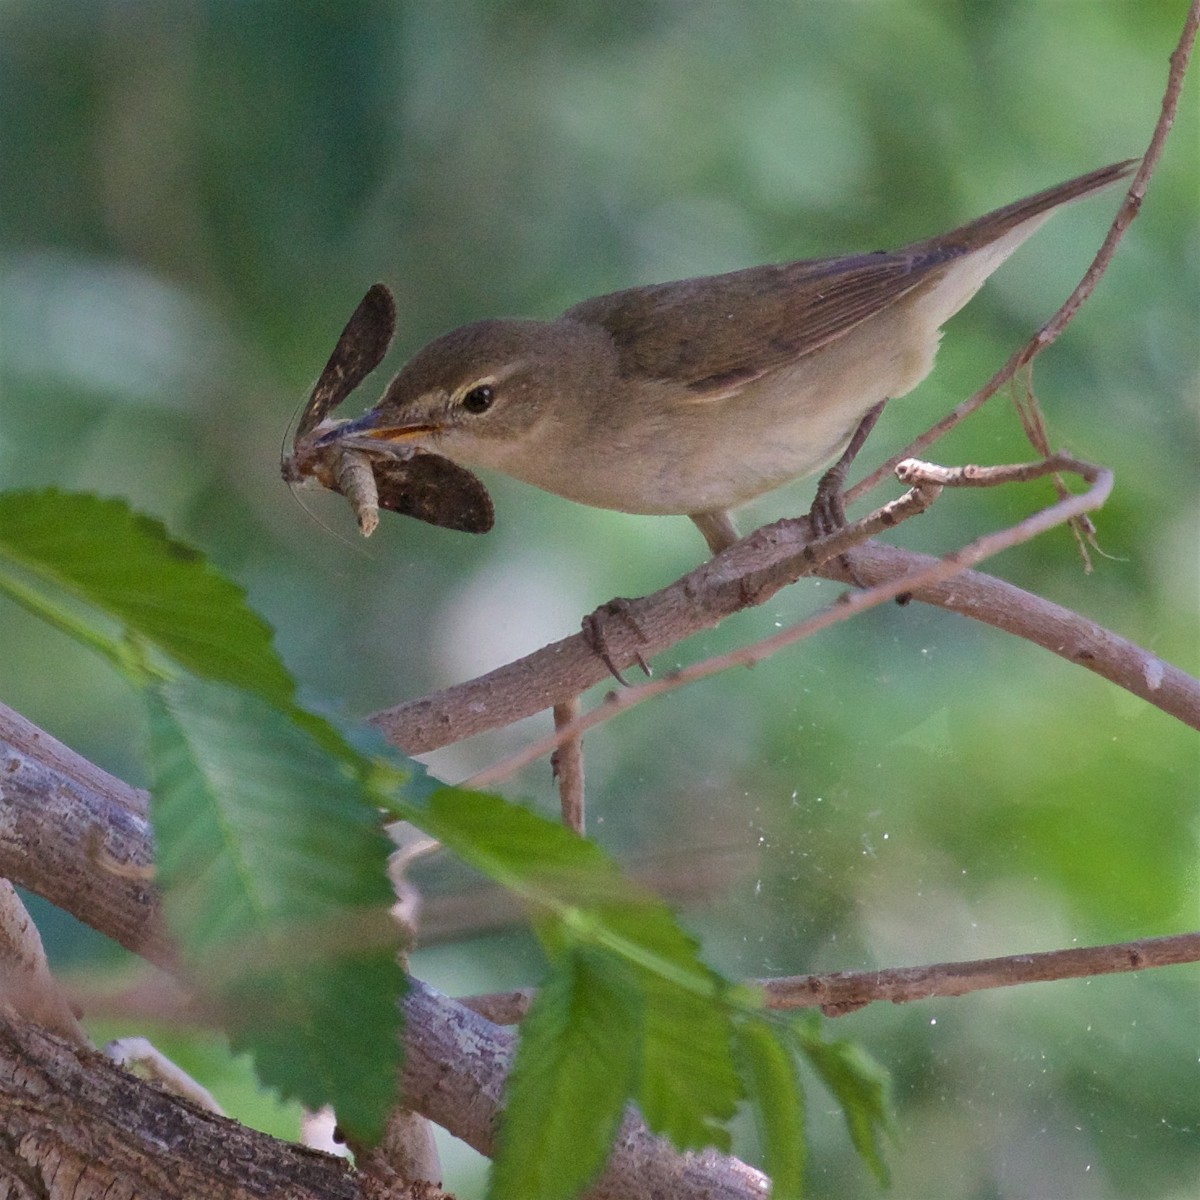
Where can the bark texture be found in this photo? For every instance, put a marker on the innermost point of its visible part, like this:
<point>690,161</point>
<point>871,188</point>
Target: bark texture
<point>74,1126</point>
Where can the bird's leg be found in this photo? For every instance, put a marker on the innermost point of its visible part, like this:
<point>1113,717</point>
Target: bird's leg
<point>596,635</point>
<point>718,528</point>
<point>828,512</point>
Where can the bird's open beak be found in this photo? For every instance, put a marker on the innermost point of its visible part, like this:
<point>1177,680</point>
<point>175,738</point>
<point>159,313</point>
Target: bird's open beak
<point>367,431</point>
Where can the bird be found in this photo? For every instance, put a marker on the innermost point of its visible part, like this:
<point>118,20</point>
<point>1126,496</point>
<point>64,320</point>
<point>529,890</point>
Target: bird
<point>697,396</point>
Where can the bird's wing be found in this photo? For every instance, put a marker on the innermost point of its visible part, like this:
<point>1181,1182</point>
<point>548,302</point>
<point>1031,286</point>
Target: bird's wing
<point>716,334</point>
<point>682,331</point>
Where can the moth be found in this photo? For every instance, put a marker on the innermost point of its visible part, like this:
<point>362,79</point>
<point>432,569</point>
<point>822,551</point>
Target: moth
<point>401,479</point>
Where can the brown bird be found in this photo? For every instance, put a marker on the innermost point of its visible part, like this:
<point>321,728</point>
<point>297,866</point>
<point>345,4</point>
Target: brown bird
<point>697,396</point>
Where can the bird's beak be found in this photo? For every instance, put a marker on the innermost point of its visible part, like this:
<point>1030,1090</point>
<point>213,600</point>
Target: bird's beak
<point>367,431</point>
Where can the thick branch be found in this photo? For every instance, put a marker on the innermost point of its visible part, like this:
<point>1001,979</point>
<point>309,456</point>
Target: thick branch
<point>77,836</point>
<point>75,1124</point>
<point>468,1101</point>
<point>456,1061</point>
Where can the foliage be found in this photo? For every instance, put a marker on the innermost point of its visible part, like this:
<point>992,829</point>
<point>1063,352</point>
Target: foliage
<point>272,864</point>
<point>192,207</point>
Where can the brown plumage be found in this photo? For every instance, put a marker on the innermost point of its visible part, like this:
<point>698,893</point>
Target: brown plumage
<point>697,396</point>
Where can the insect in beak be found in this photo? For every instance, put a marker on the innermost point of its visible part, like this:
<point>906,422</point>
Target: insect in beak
<point>372,468</point>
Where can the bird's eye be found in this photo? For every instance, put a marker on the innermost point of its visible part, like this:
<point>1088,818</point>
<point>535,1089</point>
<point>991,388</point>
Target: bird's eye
<point>479,399</point>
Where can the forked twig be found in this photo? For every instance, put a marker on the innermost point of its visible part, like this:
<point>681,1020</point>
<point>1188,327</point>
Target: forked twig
<point>1052,330</point>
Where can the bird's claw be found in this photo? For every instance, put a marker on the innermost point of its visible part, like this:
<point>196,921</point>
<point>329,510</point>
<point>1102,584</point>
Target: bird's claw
<point>596,636</point>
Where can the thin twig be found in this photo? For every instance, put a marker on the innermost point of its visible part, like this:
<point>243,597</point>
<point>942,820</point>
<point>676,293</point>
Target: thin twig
<point>839,992</point>
<point>567,764</point>
<point>1053,328</point>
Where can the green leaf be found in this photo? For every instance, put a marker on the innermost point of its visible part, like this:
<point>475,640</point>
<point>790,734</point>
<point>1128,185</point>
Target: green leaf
<point>121,654</point>
<point>573,1071</point>
<point>859,1084</point>
<point>273,868</point>
<point>688,1084</point>
<point>329,1032</point>
<point>161,589</point>
<point>542,861</point>
<point>777,1097</point>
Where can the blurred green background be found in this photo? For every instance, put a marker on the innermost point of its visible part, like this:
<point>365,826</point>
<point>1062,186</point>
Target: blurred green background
<point>194,197</point>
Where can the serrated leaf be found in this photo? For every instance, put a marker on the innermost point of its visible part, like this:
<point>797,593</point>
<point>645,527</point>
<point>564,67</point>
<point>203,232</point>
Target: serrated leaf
<point>777,1097</point>
<point>327,1033</point>
<point>573,1071</point>
<point>273,868</point>
<point>163,590</point>
<point>538,857</point>
<point>860,1086</point>
<point>688,1084</point>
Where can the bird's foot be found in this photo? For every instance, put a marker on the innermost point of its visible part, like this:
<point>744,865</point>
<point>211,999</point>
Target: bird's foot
<point>595,634</point>
<point>828,512</point>
<point>829,509</point>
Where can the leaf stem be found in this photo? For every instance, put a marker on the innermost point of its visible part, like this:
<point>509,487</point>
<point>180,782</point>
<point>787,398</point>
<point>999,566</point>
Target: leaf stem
<point>124,655</point>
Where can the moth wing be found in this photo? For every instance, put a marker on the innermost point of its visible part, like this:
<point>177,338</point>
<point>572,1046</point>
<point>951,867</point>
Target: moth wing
<point>435,490</point>
<point>359,350</point>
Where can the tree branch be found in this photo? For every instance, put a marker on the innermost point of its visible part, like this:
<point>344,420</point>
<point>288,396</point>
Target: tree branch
<point>928,480</point>
<point>442,1033</point>
<point>78,836</point>
<point>701,599</point>
<point>840,992</point>
<point>1053,329</point>
<point>836,993</point>
<point>760,565</point>
<point>455,1064</point>
<point>77,1124</point>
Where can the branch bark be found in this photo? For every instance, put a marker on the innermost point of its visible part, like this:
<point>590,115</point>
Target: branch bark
<point>77,1125</point>
<point>455,1064</point>
<point>841,992</point>
<point>759,566</point>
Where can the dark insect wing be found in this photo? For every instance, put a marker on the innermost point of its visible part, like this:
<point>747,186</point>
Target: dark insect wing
<point>417,484</point>
<point>434,490</point>
<point>358,352</point>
